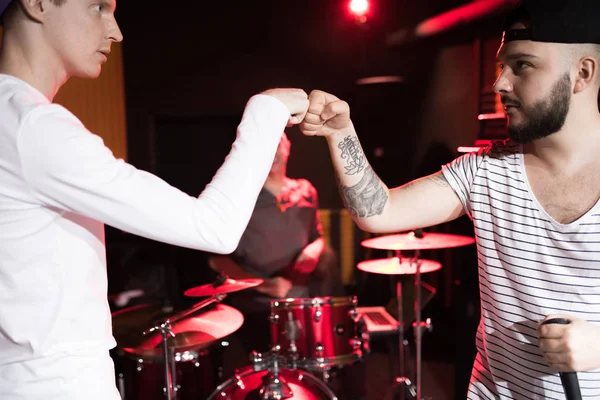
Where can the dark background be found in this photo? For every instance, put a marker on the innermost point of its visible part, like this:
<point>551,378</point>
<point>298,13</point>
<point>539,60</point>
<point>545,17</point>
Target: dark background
<point>190,67</point>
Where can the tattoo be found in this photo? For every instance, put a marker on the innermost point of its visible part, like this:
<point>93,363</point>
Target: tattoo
<point>365,199</point>
<point>439,180</point>
<point>351,150</point>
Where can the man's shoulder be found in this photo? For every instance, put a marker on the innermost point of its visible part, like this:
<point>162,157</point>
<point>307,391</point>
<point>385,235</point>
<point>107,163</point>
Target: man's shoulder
<point>499,148</point>
<point>23,102</point>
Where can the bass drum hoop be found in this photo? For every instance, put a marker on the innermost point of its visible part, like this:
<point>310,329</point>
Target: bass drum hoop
<point>305,376</point>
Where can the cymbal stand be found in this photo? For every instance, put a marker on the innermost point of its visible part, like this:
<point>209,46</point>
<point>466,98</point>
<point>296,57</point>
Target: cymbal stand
<point>166,332</point>
<point>401,384</point>
<point>196,307</point>
<point>419,325</point>
<point>170,376</point>
<point>170,384</point>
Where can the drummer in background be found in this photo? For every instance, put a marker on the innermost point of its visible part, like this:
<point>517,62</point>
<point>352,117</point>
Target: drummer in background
<point>284,245</point>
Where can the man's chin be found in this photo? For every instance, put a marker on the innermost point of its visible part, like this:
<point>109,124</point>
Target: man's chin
<point>92,73</point>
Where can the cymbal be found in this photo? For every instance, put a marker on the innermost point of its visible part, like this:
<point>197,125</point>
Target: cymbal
<point>408,241</point>
<point>191,333</point>
<point>228,286</point>
<point>393,266</point>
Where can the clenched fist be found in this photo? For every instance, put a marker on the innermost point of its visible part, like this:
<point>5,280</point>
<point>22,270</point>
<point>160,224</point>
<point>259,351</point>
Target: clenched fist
<point>572,347</point>
<point>296,100</point>
<point>326,115</point>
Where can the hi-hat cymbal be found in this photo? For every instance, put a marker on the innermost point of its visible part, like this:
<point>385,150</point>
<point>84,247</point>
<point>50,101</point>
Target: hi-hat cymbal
<point>191,333</point>
<point>395,266</point>
<point>409,241</point>
<point>228,286</point>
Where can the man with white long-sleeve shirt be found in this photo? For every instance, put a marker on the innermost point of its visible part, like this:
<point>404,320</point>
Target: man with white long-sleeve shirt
<point>59,185</point>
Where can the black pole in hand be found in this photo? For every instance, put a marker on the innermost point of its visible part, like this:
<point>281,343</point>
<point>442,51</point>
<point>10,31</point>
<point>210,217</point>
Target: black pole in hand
<point>568,379</point>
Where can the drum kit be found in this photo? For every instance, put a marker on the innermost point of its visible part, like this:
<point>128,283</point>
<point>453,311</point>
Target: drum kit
<point>165,352</point>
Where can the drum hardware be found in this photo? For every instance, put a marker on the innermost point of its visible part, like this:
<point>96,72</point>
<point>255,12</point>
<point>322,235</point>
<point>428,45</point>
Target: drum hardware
<point>178,338</point>
<point>399,267</point>
<point>256,382</point>
<point>165,328</point>
<point>273,387</point>
<point>292,333</point>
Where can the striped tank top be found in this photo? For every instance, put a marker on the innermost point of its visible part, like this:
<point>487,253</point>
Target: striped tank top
<point>530,266</point>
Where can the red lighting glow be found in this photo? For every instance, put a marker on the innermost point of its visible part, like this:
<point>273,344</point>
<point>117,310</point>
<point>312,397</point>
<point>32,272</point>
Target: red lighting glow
<point>359,7</point>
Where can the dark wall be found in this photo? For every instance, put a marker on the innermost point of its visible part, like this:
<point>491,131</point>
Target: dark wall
<point>205,59</point>
<point>190,67</point>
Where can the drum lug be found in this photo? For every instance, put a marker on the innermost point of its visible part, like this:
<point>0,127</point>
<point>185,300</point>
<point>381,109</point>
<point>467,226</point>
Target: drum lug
<point>353,314</point>
<point>274,318</point>
<point>238,380</point>
<point>258,361</point>
<point>363,340</point>
<point>318,315</point>
<point>140,365</point>
<point>319,350</point>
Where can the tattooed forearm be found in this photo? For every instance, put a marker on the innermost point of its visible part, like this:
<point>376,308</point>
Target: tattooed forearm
<point>351,151</point>
<point>365,199</point>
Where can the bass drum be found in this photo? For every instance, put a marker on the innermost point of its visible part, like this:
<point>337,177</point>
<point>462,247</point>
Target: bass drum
<point>246,385</point>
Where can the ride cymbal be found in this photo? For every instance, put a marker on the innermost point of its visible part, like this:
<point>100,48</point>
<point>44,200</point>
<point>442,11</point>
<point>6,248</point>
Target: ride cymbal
<point>395,266</point>
<point>410,241</point>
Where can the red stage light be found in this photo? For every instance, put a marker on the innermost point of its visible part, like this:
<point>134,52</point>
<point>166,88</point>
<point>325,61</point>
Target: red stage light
<point>359,7</point>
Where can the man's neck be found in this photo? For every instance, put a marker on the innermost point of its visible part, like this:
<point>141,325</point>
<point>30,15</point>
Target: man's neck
<point>22,58</point>
<point>275,183</point>
<point>575,145</point>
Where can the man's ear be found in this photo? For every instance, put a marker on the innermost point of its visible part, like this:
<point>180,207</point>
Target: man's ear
<point>34,9</point>
<point>586,74</point>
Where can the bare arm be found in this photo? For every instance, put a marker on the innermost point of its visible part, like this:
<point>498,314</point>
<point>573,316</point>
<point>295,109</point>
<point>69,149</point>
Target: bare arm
<point>314,249</point>
<point>375,208</point>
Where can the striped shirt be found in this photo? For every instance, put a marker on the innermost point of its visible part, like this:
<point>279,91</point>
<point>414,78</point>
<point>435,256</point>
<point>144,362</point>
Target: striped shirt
<point>530,266</point>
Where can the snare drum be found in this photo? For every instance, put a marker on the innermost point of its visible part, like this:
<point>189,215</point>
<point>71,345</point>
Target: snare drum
<point>323,331</point>
<point>247,383</point>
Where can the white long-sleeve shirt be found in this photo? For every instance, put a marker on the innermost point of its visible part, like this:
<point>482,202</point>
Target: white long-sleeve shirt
<point>59,185</point>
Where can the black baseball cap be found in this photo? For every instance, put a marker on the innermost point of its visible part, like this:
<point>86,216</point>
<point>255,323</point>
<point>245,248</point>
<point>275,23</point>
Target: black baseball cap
<point>556,21</point>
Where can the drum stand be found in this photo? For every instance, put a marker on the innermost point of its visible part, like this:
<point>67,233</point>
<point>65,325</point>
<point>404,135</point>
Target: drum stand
<point>402,385</point>
<point>272,387</point>
<point>171,387</point>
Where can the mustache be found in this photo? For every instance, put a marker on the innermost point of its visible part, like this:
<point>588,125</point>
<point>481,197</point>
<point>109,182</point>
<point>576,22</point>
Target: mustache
<point>510,102</point>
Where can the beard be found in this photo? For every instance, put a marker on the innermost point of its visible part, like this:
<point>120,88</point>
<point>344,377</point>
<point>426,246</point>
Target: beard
<point>544,117</point>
